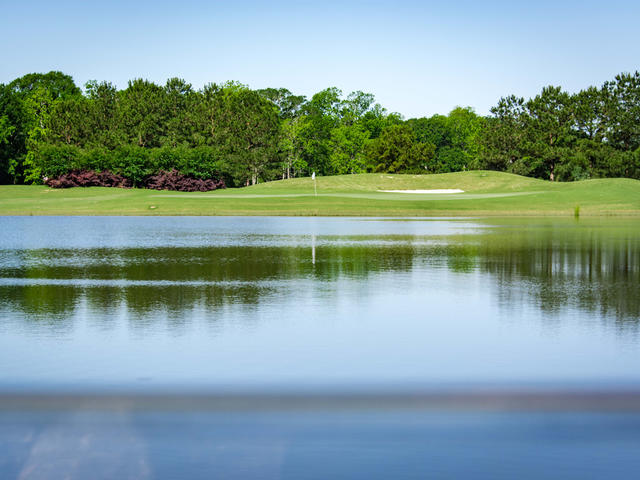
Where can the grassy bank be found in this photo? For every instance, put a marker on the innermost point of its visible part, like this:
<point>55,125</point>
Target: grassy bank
<point>485,193</point>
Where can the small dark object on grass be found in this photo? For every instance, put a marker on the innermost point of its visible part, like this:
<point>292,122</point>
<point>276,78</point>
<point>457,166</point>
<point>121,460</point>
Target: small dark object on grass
<point>174,180</point>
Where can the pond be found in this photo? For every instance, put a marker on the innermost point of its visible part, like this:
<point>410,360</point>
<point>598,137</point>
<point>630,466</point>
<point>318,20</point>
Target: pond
<point>204,302</point>
<point>276,307</point>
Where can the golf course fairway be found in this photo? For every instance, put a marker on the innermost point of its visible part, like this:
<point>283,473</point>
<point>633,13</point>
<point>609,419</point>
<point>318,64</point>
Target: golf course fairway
<point>485,193</point>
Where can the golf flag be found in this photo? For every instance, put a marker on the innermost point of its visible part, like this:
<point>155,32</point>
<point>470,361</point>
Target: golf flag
<point>313,176</point>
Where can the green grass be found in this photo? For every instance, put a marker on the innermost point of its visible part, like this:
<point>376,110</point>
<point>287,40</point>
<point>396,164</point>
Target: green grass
<point>486,194</point>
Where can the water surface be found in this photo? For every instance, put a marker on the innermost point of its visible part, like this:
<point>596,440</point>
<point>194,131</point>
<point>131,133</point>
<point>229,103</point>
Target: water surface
<point>289,303</point>
<point>291,348</point>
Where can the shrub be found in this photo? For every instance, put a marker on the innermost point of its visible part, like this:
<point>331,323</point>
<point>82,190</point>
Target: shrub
<point>56,160</point>
<point>168,165</point>
<point>174,180</point>
<point>132,163</point>
<point>88,178</point>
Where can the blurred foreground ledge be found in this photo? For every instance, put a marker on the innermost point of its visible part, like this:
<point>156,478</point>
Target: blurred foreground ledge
<point>476,400</point>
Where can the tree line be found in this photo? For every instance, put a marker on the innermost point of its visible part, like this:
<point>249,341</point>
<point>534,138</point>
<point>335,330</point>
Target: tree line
<point>50,127</point>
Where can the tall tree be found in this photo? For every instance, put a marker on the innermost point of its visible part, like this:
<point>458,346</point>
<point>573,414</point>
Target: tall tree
<point>549,129</point>
<point>588,110</point>
<point>503,137</point>
<point>348,148</point>
<point>464,127</point>
<point>180,98</point>
<point>321,116</point>
<point>398,151</point>
<point>67,122</point>
<point>27,102</point>
<point>355,106</point>
<point>56,84</point>
<point>288,104</point>
<point>622,106</point>
<point>247,130</point>
<point>290,148</point>
<point>12,146</point>
<point>142,113</point>
<point>376,119</point>
<point>103,118</point>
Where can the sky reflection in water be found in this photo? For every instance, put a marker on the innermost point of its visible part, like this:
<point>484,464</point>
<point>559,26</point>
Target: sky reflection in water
<point>302,302</point>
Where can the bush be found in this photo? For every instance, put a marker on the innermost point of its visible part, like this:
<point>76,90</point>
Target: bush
<point>174,180</point>
<point>88,178</point>
<point>56,160</point>
<point>136,164</point>
<point>132,163</point>
<point>96,159</point>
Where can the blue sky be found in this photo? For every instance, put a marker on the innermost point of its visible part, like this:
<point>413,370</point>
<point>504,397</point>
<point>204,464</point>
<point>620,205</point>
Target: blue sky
<point>417,58</point>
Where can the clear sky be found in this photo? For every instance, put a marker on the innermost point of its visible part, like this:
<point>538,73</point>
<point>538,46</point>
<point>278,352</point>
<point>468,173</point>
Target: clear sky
<point>417,58</point>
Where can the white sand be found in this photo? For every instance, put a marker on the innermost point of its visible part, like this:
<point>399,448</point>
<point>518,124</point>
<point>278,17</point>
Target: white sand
<point>437,190</point>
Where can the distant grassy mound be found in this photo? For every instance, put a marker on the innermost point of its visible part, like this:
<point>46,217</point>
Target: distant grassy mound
<point>475,181</point>
<point>485,193</point>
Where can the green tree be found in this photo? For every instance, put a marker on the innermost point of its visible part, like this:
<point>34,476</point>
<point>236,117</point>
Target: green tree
<point>355,106</point>
<point>68,122</point>
<point>320,116</point>
<point>102,120</point>
<point>398,151</point>
<point>142,113</point>
<point>290,148</point>
<point>6,133</point>
<point>622,107</point>
<point>434,129</point>
<point>502,138</point>
<point>455,137</point>
<point>247,129</point>
<point>38,105</point>
<point>27,102</point>
<point>13,132</point>
<point>464,127</point>
<point>6,129</point>
<point>289,107</point>
<point>57,85</point>
<point>348,149</point>
<point>549,123</point>
<point>288,104</point>
<point>180,100</point>
<point>588,109</point>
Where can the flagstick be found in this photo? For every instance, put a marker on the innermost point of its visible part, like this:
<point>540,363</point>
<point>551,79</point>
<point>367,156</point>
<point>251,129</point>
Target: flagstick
<point>313,236</point>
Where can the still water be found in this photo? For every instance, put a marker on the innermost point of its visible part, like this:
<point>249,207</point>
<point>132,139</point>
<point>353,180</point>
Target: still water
<point>170,348</point>
<point>316,302</point>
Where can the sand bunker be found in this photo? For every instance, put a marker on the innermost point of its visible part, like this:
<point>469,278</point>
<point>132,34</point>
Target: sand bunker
<point>437,190</point>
